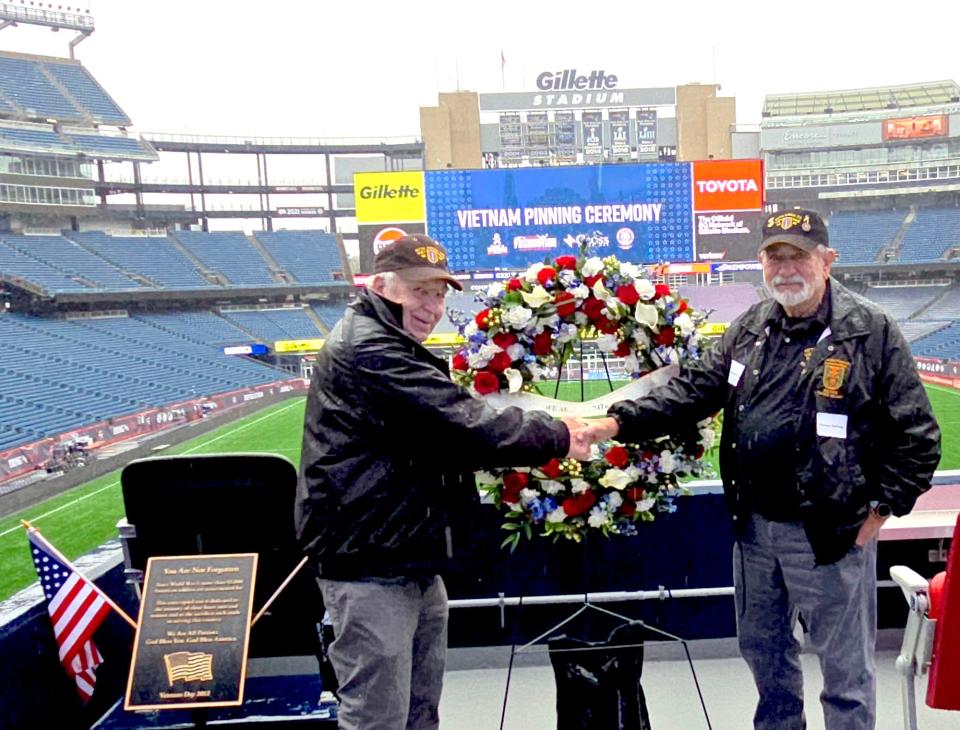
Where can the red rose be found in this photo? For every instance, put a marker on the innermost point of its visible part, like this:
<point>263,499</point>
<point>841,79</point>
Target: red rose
<point>499,362</point>
<point>503,340</point>
<point>566,305</point>
<point>547,273</point>
<point>636,494</point>
<point>666,336</point>
<point>514,285</point>
<point>551,468</point>
<point>481,319</point>
<point>460,362</point>
<point>566,262</point>
<point>623,349</point>
<point>607,326</point>
<point>662,290</point>
<point>574,506</point>
<point>628,294</point>
<point>628,509</point>
<point>591,280</point>
<point>698,452</point>
<point>682,307</point>
<point>486,382</point>
<point>513,483</point>
<point>593,308</point>
<point>543,343</point>
<point>617,456</point>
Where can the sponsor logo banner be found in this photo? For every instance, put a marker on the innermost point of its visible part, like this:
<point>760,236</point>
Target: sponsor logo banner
<point>727,185</point>
<point>386,197</point>
<point>728,236</point>
<point>916,127</point>
<point>577,99</point>
<point>308,345</point>
<point>374,236</point>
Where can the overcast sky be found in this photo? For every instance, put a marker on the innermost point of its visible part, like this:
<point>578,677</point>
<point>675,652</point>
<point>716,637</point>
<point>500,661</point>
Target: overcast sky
<point>363,67</point>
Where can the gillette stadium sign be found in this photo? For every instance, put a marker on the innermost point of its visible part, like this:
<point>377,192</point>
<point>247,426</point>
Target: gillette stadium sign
<point>571,88</point>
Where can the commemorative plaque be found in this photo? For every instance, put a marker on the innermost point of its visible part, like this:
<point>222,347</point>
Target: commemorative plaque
<point>192,637</point>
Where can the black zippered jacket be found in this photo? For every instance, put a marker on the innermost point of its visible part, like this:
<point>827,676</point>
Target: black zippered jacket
<point>861,379</point>
<point>390,444</point>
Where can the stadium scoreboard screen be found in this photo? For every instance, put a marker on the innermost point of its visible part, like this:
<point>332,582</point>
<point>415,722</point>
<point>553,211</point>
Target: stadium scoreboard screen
<point>511,218</point>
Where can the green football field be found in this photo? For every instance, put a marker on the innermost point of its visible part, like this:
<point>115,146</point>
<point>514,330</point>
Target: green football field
<point>85,517</point>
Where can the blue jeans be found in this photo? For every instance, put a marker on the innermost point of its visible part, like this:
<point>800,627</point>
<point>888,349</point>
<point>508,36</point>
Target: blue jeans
<point>776,580</point>
<point>389,651</point>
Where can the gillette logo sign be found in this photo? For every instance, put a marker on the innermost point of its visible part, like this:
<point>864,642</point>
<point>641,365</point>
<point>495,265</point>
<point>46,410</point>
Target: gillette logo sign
<point>569,80</point>
<point>727,186</point>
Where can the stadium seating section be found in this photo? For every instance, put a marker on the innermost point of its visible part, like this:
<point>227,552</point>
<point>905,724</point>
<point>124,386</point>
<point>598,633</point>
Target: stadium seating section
<point>50,88</point>
<point>934,231</point>
<point>860,235</point>
<point>93,260</point>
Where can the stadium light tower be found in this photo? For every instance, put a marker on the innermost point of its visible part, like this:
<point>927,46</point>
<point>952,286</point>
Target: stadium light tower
<point>55,17</point>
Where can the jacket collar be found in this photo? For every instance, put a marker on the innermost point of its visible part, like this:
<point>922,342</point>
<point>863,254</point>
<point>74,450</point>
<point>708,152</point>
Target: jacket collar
<point>846,314</point>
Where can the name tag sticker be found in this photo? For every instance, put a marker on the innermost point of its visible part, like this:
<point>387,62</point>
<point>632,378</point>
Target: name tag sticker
<point>832,425</point>
<point>736,371</point>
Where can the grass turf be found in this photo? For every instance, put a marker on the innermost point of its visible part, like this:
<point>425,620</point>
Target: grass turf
<point>83,518</point>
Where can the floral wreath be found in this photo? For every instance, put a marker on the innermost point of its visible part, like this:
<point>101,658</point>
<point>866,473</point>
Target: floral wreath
<point>528,329</point>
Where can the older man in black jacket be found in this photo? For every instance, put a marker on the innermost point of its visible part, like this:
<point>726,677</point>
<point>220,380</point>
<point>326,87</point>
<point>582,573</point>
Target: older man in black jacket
<point>827,430</point>
<point>389,446</point>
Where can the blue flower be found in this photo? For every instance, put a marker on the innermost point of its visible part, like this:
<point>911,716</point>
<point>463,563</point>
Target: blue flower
<point>537,510</point>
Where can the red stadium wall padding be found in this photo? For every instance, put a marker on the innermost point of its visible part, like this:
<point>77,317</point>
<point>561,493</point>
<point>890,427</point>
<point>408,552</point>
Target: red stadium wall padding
<point>943,691</point>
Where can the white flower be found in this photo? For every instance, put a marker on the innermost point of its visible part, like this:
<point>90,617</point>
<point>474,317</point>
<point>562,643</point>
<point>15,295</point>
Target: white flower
<point>551,486</point>
<point>494,290</point>
<point>531,273</point>
<point>598,517</point>
<point>631,364</point>
<point>708,437</point>
<point>566,277</point>
<point>614,500</point>
<point>566,333</point>
<point>485,477</point>
<point>477,360</point>
<point>471,329</point>
<point>578,486</point>
<point>646,314</point>
<point>528,495</point>
<point>667,462</point>
<point>631,270</point>
<point>535,371</point>
<point>516,351</point>
<point>642,337</point>
<point>490,349</point>
<point>552,321</point>
<point>685,324</point>
<point>581,319</point>
<point>615,479</point>
<point>514,379</point>
<point>558,515</point>
<point>645,289</point>
<point>592,266</point>
<point>580,292</point>
<point>615,308</point>
<point>633,472</point>
<point>607,343</point>
<point>517,317</point>
<point>645,505</point>
<point>537,298</point>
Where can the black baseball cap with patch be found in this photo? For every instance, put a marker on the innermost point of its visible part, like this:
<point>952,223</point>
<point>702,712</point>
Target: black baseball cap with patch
<point>804,229</point>
<point>416,257</point>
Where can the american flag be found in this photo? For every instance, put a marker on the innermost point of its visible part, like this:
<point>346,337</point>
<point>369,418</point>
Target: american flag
<point>76,607</point>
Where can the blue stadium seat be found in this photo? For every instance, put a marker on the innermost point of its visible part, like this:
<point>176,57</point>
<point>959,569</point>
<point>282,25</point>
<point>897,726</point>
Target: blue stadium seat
<point>23,81</point>
<point>87,93</point>
<point>73,259</point>
<point>15,265</point>
<point>311,257</point>
<point>230,254</point>
<point>902,302</point>
<point>944,343</point>
<point>932,232</point>
<point>859,235</point>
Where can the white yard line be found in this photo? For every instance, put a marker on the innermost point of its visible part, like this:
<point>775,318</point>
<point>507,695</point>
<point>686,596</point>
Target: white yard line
<point>188,451</point>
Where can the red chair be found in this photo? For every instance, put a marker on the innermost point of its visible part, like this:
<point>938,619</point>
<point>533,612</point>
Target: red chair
<point>931,640</point>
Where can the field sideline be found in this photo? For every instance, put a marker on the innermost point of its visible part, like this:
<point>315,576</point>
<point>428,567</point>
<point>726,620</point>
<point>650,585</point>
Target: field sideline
<point>83,518</point>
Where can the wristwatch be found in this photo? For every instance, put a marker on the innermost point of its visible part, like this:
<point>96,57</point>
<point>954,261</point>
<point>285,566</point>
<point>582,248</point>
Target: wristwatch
<point>880,509</point>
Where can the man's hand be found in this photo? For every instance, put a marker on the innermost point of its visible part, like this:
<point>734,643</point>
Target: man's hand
<point>579,444</point>
<point>600,429</point>
<point>870,529</point>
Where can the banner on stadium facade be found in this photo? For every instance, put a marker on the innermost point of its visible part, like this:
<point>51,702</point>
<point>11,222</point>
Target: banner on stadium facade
<point>592,124</point>
<point>308,345</point>
<point>389,197</point>
<point>577,99</point>
<point>935,125</point>
<point>565,136</point>
<point>538,136</point>
<point>511,136</point>
<point>620,133</point>
<point>372,237</point>
<point>646,134</point>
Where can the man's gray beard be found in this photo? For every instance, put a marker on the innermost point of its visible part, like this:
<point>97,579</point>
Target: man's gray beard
<point>791,299</point>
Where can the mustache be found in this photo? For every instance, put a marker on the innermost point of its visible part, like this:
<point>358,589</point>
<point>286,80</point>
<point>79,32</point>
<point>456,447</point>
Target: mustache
<point>778,280</point>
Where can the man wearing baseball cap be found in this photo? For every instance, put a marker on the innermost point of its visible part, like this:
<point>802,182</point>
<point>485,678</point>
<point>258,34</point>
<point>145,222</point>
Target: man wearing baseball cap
<point>827,431</point>
<point>390,445</point>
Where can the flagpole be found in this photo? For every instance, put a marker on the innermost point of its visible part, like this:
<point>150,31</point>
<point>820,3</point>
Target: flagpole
<point>31,529</point>
<point>278,591</point>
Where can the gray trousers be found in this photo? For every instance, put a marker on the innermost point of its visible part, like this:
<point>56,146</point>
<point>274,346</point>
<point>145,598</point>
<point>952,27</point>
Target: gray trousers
<point>776,580</point>
<point>389,651</point>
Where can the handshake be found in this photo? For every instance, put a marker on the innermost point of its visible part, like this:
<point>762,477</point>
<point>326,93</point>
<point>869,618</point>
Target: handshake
<point>584,433</point>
